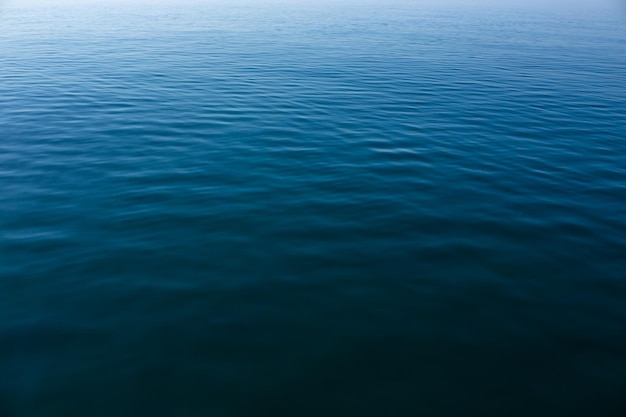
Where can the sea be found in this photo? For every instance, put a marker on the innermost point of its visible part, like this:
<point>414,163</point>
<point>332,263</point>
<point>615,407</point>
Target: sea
<point>307,209</point>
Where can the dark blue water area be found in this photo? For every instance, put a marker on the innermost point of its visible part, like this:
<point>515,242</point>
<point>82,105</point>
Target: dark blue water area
<point>295,210</point>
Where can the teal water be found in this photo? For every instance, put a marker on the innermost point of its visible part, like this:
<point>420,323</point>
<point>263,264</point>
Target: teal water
<point>291,210</point>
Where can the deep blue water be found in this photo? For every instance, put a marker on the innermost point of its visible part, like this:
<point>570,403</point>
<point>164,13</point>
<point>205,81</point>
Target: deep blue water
<point>256,210</point>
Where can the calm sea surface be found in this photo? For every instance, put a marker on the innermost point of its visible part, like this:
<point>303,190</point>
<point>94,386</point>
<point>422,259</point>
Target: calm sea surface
<point>312,211</point>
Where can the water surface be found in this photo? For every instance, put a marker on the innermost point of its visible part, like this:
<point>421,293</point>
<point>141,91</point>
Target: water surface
<point>312,210</point>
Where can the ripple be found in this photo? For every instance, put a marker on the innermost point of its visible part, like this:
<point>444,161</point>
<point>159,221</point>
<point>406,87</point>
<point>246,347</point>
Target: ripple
<point>238,210</point>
